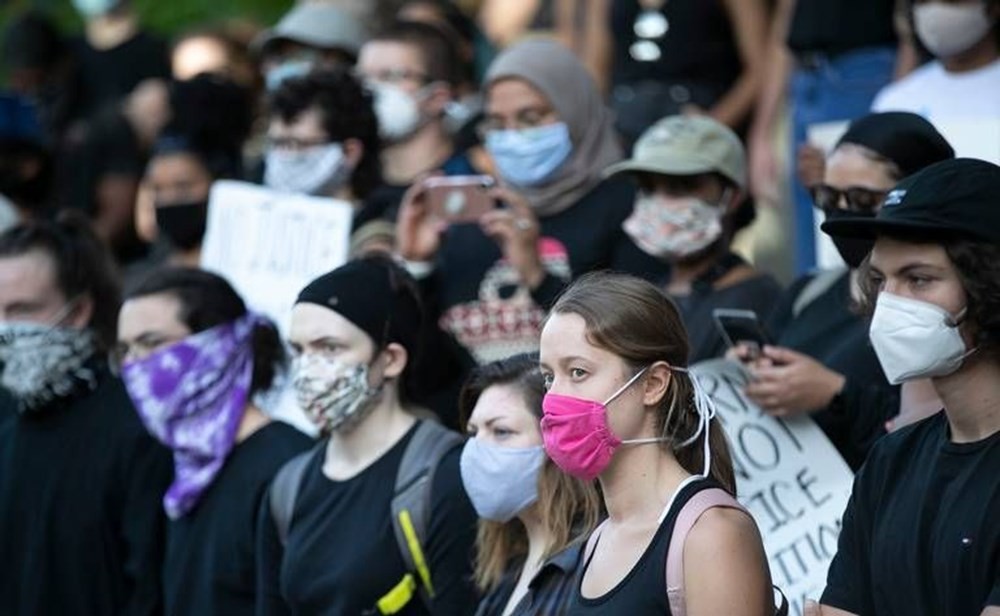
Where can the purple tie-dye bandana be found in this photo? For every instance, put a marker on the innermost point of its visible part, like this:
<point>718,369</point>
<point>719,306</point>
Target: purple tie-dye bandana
<point>191,396</point>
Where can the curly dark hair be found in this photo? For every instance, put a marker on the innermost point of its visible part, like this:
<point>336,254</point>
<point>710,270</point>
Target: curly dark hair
<point>347,114</point>
<point>208,300</point>
<point>978,266</point>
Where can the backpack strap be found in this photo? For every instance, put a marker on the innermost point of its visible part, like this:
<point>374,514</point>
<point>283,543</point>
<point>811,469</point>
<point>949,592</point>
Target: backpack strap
<point>284,490</point>
<point>686,518</point>
<point>817,286</point>
<point>411,510</point>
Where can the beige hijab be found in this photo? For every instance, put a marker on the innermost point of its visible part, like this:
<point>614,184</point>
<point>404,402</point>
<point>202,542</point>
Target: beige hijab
<point>555,72</point>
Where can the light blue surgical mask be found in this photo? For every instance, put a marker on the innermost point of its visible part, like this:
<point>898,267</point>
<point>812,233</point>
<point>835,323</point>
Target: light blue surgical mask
<point>288,69</point>
<point>529,156</point>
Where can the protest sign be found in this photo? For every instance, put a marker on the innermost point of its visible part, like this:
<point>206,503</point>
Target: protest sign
<point>269,245</point>
<point>788,476</point>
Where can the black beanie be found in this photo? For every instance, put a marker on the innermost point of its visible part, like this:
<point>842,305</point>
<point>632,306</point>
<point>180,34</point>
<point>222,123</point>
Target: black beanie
<point>376,295</point>
<point>906,139</point>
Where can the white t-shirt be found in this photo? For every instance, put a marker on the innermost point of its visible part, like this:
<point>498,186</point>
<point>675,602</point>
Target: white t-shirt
<point>937,94</point>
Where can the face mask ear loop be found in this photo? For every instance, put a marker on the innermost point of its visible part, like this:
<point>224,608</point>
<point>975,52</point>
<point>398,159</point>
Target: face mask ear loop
<point>65,312</point>
<point>706,409</point>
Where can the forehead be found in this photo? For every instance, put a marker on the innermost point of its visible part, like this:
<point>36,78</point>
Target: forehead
<point>173,167</point>
<point>28,277</point>
<point>503,401</point>
<point>847,167</point>
<point>308,124</point>
<point>151,313</point>
<point>891,254</point>
<point>512,95</point>
<point>565,335</point>
<point>382,55</point>
<point>313,322</point>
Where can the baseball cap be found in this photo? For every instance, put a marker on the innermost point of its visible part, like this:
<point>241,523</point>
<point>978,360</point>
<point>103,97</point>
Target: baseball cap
<point>960,197</point>
<point>686,145</point>
<point>315,24</point>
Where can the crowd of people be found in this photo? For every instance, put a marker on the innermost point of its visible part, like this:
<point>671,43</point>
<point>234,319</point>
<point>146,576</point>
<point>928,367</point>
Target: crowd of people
<point>551,204</point>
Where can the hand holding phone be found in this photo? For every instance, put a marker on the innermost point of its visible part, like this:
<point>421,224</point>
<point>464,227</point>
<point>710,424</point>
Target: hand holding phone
<point>741,328</point>
<point>460,198</point>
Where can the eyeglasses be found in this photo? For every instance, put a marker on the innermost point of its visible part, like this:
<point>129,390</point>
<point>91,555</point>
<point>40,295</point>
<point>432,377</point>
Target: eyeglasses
<point>858,199</point>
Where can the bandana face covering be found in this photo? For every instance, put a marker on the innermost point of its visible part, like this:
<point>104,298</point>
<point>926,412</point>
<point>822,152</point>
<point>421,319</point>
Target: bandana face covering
<point>318,170</point>
<point>41,363</point>
<point>335,395</point>
<point>191,397</point>
<point>671,228</point>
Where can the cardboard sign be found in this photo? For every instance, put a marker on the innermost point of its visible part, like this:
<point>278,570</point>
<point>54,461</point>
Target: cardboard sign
<point>270,245</point>
<point>788,476</point>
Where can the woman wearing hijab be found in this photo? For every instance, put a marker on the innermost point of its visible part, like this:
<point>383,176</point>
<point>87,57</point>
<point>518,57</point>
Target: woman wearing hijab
<point>822,362</point>
<point>193,360</point>
<point>551,137</point>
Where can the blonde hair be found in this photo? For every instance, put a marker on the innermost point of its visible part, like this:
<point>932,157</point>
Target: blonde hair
<point>569,508</point>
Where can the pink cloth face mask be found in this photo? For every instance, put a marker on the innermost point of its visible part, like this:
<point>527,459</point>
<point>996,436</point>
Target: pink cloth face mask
<point>576,433</point>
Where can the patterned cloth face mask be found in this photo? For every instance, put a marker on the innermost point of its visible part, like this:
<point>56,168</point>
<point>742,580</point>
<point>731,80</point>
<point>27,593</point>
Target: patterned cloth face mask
<point>191,396</point>
<point>42,362</point>
<point>334,394</point>
<point>671,227</point>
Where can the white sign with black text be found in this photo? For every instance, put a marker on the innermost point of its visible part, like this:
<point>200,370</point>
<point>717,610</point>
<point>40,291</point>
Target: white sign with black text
<point>789,477</point>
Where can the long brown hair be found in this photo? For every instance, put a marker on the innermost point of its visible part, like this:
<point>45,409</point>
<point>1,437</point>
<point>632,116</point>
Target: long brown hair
<point>568,508</point>
<point>634,320</point>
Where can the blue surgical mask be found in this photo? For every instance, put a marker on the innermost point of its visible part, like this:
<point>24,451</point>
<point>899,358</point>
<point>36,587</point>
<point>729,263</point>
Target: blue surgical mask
<point>530,156</point>
<point>500,481</point>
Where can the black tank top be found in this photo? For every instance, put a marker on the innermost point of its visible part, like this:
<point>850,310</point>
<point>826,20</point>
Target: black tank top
<point>644,590</point>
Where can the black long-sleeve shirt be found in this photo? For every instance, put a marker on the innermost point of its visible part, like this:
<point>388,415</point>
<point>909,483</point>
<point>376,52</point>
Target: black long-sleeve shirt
<point>81,512</point>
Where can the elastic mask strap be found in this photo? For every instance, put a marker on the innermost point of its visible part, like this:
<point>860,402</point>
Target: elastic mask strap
<point>705,407</point>
<point>64,312</point>
<point>626,386</point>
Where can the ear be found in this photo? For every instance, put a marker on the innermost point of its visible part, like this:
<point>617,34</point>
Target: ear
<point>735,197</point>
<point>657,382</point>
<point>354,150</point>
<point>395,358</point>
<point>82,314</point>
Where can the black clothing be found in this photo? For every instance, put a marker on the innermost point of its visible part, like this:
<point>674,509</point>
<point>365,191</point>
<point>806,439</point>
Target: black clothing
<point>699,62</point>
<point>549,591</point>
<point>829,332</point>
<point>759,294</point>
<point>838,27</point>
<point>81,511</point>
<point>210,566</point>
<point>106,76</point>
<point>479,294</point>
<point>644,589</point>
<point>921,535</point>
<point>341,554</point>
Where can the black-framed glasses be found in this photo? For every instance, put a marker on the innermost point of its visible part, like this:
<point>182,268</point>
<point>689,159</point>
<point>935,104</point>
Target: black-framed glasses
<point>857,198</point>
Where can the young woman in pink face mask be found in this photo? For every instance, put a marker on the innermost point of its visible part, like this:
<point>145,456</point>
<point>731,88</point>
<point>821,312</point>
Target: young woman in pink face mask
<point>621,408</point>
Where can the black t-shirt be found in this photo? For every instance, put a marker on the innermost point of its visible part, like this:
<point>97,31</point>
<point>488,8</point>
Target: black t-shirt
<point>828,330</point>
<point>341,554</point>
<point>81,511</point>
<point>758,294</point>
<point>921,534</point>
<point>105,76</point>
<point>479,294</point>
<point>839,26</point>
<point>210,562</point>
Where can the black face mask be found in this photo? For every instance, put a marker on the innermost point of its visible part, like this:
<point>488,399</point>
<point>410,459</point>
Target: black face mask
<point>182,224</point>
<point>852,250</point>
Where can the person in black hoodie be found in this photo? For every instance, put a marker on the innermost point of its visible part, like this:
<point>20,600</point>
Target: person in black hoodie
<point>81,526</point>
<point>177,328</point>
